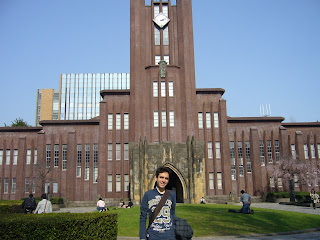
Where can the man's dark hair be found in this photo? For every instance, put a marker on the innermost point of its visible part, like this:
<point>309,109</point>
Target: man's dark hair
<point>44,196</point>
<point>161,170</point>
<point>242,191</point>
<point>31,195</point>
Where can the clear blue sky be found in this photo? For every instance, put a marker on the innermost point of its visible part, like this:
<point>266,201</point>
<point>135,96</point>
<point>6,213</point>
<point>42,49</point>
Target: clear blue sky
<point>259,51</point>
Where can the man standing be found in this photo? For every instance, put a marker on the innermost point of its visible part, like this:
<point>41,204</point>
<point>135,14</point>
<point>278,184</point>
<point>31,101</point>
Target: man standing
<point>44,206</point>
<point>162,226</point>
<point>29,204</point>
<point>246,201</point>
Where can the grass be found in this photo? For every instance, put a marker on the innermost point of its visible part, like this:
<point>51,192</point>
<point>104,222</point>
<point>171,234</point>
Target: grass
<point>10,202</point>
<point>215,220</point>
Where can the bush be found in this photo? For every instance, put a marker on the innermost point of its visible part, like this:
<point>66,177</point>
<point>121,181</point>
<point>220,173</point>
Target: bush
<point>6,209</point>
<point>60,226</point>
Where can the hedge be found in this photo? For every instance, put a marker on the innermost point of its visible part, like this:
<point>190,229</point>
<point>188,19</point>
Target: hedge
<point>59,226</point>
<point>302,197</point>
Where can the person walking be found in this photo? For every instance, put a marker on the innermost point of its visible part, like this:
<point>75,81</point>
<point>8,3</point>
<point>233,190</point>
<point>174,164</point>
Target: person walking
<point>29,204</point>
<point>162,227</point>
<point>314,198</point>
<point>44,206</point>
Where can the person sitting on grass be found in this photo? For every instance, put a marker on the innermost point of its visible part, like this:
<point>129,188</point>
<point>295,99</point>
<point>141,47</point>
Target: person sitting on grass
<point>101,205</point>
<point>246,201</point>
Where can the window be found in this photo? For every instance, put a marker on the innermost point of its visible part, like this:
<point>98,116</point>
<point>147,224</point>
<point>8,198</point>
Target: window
<point>219,180</point>
<point>156,9</point>
<point>163,89</point>
<point>1,157</point>
<point>48,155</point>
<point>170,89</point>
<point>35,159</point>
<point>155,89</point>
<point>118,151</point>
<point>28,160</point>
<point>279,182</point>
<point>296,180</point>
<point>208,119</point>
<point>248,157</point>
<point>8,154</point>
<point>56,155</point>
<point>55,187</point>
<point>233,161</point>
<point>6,185</point>
<point>15,156</point>
<point>126,182</point>
<point>166,39</point>
<point>271,182</point>
<point>87,162</point>
<point>126,151</point>
<point>165,9</point>
<point>210,152</point>
<point>240,156</point>
<point>13,187</point>
<point>110,121</point>
<point>0,185</point>
<point>200,120</point>
<point>216,120</point>
<point>156,35</point>
<point>33,185</point>
<point>306,152</point>
<point>155,119</point>
<point>157,60</point>
<point>269,148</point>
<point>293,151</point>
<point>277,149</point>
<point>110,152</point>
<point>109,183</point>
<point>118,182</point>
<point>218,152</point>
<point>95,163</point>
<point>79,156</point>
<point>318,146</point>
<point>26,185</point>
<point>171,118</point>
<point>166,58</point>
<point>64,156</point>
<point>211,181</point>
<point>118,121</point>
<point>313,151</point>
<point>47,188</point>
<point>164,118</point>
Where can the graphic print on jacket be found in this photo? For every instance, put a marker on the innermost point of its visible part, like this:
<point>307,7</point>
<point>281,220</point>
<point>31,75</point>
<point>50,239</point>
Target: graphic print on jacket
<point>163,220</point>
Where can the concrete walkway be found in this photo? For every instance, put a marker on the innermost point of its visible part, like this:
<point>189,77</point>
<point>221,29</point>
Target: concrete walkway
<point>305,234</point>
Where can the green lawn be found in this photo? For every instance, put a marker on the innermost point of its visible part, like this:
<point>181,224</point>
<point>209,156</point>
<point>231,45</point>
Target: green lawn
<point>215,220</point>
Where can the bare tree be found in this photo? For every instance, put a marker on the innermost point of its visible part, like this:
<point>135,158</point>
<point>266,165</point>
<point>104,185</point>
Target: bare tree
<point>290,168</point>
<point>42,173</point>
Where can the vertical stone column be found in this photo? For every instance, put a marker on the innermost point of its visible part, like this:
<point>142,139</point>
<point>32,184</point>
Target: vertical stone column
<point>255,161</point>
<point>71,166</point>
<point>299,145</point>
<point>284,150</point>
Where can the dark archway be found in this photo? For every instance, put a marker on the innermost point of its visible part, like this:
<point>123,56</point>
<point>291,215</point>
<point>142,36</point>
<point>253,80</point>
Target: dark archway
<point>175,185</point>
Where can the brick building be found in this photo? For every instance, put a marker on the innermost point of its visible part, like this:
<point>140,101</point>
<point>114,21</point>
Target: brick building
<point>162,120</point>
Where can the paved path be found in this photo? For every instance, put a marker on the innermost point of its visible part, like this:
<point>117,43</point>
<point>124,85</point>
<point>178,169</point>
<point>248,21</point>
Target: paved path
<point>305,235</point>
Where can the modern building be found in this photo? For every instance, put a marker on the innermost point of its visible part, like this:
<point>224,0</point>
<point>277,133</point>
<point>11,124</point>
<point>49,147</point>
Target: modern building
<point>161,119</point>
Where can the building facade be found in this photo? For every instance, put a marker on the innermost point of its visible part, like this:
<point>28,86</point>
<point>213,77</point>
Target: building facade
<point>162,119</point>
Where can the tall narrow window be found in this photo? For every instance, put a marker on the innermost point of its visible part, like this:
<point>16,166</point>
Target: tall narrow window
<point>218,152</point>
<point>156,119</point>
<point>15,157</point>
<point>46,187</point>
<point>277,149</point>
<point>157,60</point>
<point>163,89</point>
<point>55,187</point>
<point>296,180</point>
<point>171,118</point>
<point>95,163</point>
<point>110,121</point>
<point>155,89</point>
<point>1,157</point>
<point>34,185</point>
<point>110,152</point>
<point>126,121</point>
<point>13,186</point>
<point>164,118</point>
<point>208,119</point>
<point>167,59</point>
<point>109,183</point>
<point>269,148</point>
<point>219,180</point>
<point>306,152</point>
<point>216,119</point>
<point>170,89</point>
<point>210,152</point>
<point>200,120</point>
<point>56,155</point>
<point>211,181</point>
<point>248,157</point>
<point>293,151</point>
<point>28,160</point>
<point>279,182</point>
<point>6,185</point>
<point>118,151</point>
<point>166,38</point>
<point>126,182</point>
<point>271,182</point>
<point>35,158</point>
<point>79,158</point>
<point>126,151</point>
<point>156,9</point>
<point>233,161</point>
<point>156,35</point>
<point>8,156</point>
<point>118,182</point>
<point>318,146</point>
<point>48,155</point>
<point>118,121</point>
<point>26,185</point>
<point>240,157</point>
<point>64,157</point>
<point>313,151</point>
<point>87,162</point>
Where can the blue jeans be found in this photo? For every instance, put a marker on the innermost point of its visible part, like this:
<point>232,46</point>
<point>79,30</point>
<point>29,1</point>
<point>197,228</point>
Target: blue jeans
<point>101,208</point>
<point>245,208</point>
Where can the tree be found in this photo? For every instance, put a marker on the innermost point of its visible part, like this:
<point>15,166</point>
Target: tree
<point>41,172</point>
<point>289,167</point>
<point>18,122</point>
